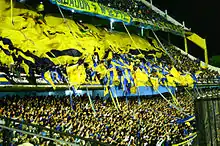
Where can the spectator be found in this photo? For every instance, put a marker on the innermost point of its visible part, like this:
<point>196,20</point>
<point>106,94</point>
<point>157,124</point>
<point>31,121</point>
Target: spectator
<point>149,123</point>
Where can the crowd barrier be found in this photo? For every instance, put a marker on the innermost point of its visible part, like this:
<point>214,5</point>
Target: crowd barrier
<point>11,126</point>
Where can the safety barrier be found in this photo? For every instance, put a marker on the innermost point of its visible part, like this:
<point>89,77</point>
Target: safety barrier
<point>9,128</point>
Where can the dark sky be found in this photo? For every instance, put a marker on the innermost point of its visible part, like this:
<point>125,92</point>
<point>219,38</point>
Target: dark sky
<point>201,16</point>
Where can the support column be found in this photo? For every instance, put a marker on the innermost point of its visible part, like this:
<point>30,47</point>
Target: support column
<point>151,3</point>
<point>185,44</point>
<point>183,24</point>
<point>111,24</point>
<point>206,56</point>
<point>142,31</point>
<point>147,32</point>
<point>166,14</point>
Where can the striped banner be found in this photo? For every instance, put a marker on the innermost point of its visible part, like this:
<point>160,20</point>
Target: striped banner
<point>3,80</point>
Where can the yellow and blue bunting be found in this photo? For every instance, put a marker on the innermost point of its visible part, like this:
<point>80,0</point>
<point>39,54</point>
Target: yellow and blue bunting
<point>3,80</point>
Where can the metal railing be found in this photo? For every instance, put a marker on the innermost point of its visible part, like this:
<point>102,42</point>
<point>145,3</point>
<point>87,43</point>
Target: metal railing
<point>12,129</point>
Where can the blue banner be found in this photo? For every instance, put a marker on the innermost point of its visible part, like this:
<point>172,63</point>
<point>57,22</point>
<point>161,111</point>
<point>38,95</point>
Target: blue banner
<point>145,90</point>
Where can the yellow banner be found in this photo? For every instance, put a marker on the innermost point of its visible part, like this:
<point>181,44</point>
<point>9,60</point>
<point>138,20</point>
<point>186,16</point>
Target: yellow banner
<point>93,8</point>
<point>201,43</point>
<point>198,41</point>
<point>3,79</point>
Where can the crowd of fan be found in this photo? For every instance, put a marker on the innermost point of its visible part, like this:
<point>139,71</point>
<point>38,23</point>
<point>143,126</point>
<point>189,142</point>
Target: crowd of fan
<point>185,64</point>
<point>181,62</point>
<point>152,121</point>
<point>135,8</point>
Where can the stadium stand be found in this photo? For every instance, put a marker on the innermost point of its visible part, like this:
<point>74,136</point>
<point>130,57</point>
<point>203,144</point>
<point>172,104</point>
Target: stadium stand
<point>148,124</point>
<point>41,49</point>
<point>95,61</point>
<point>106,125</point>
<point>135,8</point>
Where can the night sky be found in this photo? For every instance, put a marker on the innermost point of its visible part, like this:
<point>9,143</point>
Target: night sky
<point>201,16</point>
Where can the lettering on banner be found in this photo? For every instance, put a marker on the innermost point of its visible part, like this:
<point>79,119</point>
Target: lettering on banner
<point>100,9</point>
<point>78,4</point>
<point>89,6</point>
<point>113,13</point>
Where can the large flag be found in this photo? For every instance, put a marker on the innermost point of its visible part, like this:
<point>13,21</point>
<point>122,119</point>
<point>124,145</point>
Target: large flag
<point>76,75</point>
<point>174,72</point>
<point>155,83</point>
<point>26,57</point>
<point>141,78</point>
<point>189,80</point>
<point>170,81</point>
<point>25,67</point>
<point>101,69</point>
<point>48,78</point>
<point>3,80</point>
<point>197,40</point>
<point>106,91</point>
